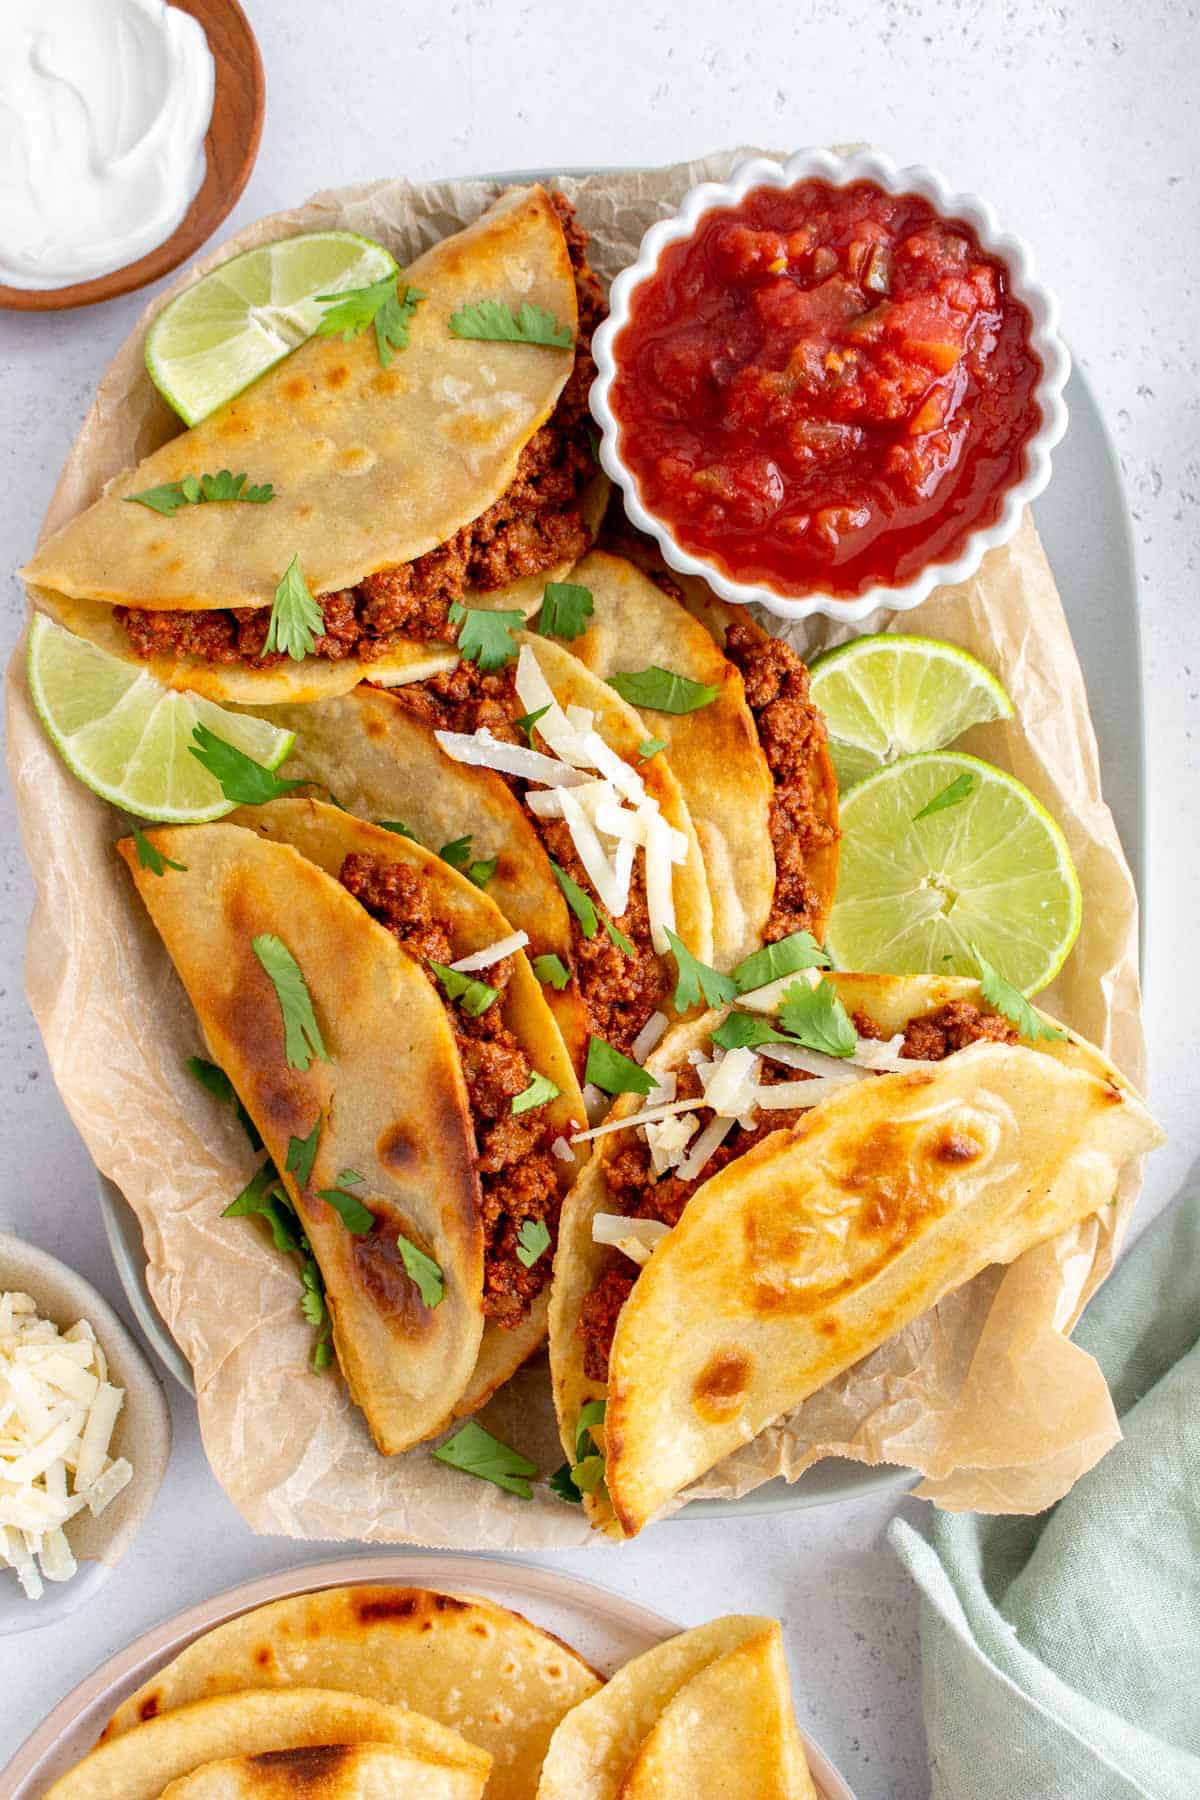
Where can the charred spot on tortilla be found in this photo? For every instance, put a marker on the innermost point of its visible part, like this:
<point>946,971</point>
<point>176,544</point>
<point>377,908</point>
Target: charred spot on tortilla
<point>379,1266</point>
<point>401,1604</point>
<point>399,1149</point>
<point>956,1147</point>
<point>720,1387</point>
<point>448,1603</point>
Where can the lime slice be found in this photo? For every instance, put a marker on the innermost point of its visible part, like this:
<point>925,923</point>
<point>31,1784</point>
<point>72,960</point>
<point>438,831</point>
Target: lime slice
<point>889,696</point>
<point>992,870</point>
<point>228,328</point>
<point>127,736</point>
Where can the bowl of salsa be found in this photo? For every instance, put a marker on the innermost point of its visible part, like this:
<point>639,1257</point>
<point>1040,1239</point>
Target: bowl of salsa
<point>829,385</point>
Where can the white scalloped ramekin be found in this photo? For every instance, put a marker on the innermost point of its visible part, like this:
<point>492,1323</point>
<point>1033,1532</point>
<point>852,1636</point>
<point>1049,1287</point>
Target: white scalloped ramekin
<point>864,165</point>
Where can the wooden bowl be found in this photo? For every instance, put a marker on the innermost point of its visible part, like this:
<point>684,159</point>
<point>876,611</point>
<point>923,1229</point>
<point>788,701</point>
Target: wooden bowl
<point>230,149</point>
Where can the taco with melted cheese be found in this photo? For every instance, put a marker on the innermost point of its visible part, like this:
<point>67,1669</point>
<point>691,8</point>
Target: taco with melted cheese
<point>460,472</point>
<point>383,1030</point>
<point>817,1166</point>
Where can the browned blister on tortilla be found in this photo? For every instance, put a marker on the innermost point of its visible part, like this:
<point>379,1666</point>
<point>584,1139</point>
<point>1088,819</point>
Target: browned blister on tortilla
<point>328,1772</point>
<point>391,1099</point>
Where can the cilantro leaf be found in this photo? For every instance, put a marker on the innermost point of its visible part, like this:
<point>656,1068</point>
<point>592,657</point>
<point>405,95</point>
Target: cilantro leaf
<point>221,1088</point>
<point>552,970</point>
<point>151,858</point>
<point>195,490</point>
<point>799,950</point>
<point>1010,1001</point>
<point>356,1217</point>
<point>533,1240</point>
<point>400,829</point>
<point>263,1197</point>
<point>495,322</point>
<point>616,1074</point>
<point>380,304</point>
<point>540,1091</point>
<point>315,1309</point>
<point>954,792</point>
<point>458,854</point>
<point>423,1270</point>
<point>650,747</point>
<point>473,996</point>
<point>560,1483</point>
<point>301,1154</point>
<point>241,779</point>
<point>350,1178</point>
<point>302,1035</point>
<point>590,1413</point>
<point>486,635</point>
<point>660,690</point>
<point>745,1031</point>
<point>588,1473</point>
<point>566,609</point>
<point>476,1452</point>
<point>816,1017</point>
<point>527,721</point>
<point>616,937</point>
<point>577,900</point>
<point>296,618</point>
<point>696,978</point>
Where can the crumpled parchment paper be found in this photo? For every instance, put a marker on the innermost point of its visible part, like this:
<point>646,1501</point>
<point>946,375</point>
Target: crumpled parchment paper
<point>986,1396</point>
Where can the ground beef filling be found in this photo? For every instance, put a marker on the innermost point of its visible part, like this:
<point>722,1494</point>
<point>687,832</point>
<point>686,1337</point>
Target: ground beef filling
<point>639,1194</point>
<point>619,991</point>
<point>517,1168</point>
<point>536,524</point>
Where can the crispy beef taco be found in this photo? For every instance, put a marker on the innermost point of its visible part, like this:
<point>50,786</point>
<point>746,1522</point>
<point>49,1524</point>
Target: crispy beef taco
<point>753,762</point>
<point>461,471</point>
<point>447,758</point>
<point>383,1090</point>
<point>707,1713</point>
<point>781,1209</point>
<point>329,1772</point>
<point>481,1670</point>
<point>145,1761</point>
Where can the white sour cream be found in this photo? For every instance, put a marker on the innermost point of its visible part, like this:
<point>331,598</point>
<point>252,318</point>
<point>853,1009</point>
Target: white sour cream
<point>104,108</point>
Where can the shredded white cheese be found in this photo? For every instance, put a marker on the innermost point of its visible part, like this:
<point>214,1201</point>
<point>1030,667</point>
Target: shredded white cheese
<point>635,1238</point>
<point>57,1413</point>
<point>710,1139</point>
<point>648,1037</point>
<point>788,1094</point>
<point>668,1140</point>
<point>491,953</point>
<point>815,1062</point>
<point>646,1117</point>
<point>766,999</point>
<point>486,751</point>
<point>563,1150</point>
<point>730,1085</point>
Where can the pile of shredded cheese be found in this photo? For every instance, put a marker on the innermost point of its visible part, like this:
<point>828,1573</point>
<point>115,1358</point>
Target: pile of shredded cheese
<point>600,797</point>
<point>57,1413</point>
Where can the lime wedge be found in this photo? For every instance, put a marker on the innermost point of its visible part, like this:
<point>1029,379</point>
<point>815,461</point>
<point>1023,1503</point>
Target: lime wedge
<point>127,736</point>
<point>229,327</point>
<point>889,696</point>
<point>993,869</point>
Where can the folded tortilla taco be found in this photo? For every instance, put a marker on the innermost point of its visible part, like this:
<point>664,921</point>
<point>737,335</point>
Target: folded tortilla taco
<point>803,1182</point>
<point>140,1764</point>
<point>473,1666</point>
<point>752,760</point>
<point>446,758</point>
<point>329,1772</point>
<point>462,471</point>
<point>707,1713</point>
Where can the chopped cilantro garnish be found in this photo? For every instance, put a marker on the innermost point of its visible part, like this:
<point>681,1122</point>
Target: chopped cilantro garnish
<point>383,305</point>
<point>197,490</point>
<point>264,1196</point>
<point>950,795</point>
<point>398,826</point>
<point>1010,1001</point>
<point>540,1090</point>
<point>476,1452</point>
<point>486,634</point>
<point>587,1471</point>
<point>423,1270</point>
<point>494,322</point>
<point>616,1074</point>
<point>527,721</point>
<point>560,1483</point>
<point>296,619</point>
<point>241,779</point>
<point>815,1016</point>
<point>552,970</point>
<point>301,1154</point>
<point>590,1413</point>
<point>458,854</point>
<point>566,609</point>
<point>800,950</point>
<point>221,1088</point>
<point>744,1030</point>
<point>315,1309</point>
<point>151,858</point>
<point>302,1034</point>
<point>533,1240</point>
<point>650,747</point>
<point>696,978</point>
<point>615,937</point>
<point>577,900</point>
<point>661,690</point>
<point>350,1210</point>
<point>473,996</point>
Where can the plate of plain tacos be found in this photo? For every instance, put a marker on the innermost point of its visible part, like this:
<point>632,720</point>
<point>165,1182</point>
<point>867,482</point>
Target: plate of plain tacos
<point>379,1677</point>
<point>486,1053</point>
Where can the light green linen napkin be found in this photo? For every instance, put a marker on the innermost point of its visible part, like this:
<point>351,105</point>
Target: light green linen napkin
<point>1061,1654</point>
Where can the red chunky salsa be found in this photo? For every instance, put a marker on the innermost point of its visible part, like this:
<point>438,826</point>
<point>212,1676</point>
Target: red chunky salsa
<point>824,388</point>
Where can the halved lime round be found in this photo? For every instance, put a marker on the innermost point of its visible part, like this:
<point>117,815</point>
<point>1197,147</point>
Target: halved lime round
<point>229,327</point>
<point>128,737</point>
<point>889,696</point>
<point>990,868</point>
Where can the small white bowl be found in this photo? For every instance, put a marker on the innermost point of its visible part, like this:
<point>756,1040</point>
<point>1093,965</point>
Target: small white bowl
<point>142,1433</point>
<point>840,171</point>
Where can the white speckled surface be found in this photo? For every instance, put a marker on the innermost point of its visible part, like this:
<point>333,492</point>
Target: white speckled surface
<point>1079,121</point>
